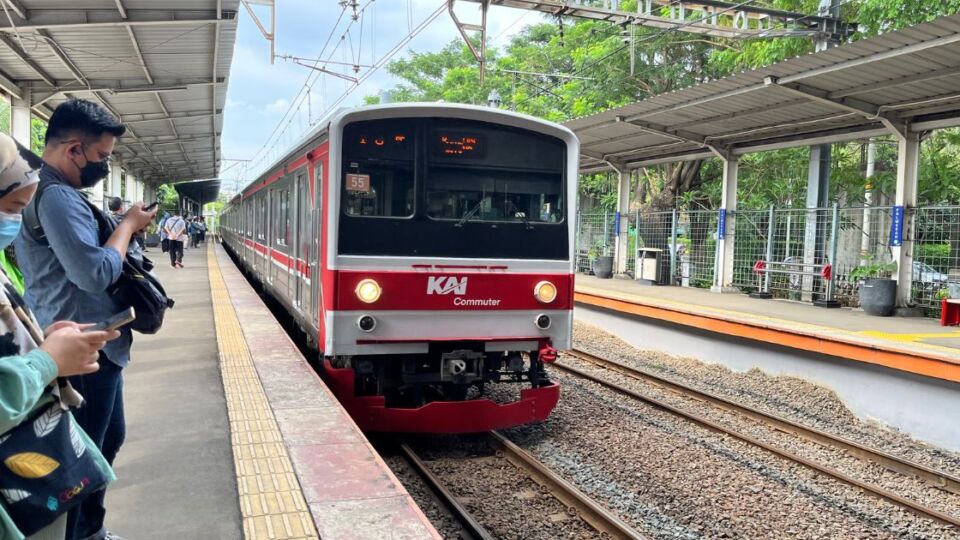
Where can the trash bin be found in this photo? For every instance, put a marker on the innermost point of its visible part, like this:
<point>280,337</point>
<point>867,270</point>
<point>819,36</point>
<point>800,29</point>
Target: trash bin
<point>648,266</point>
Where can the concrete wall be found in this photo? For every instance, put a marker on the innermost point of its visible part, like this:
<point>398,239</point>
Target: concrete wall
<point>922,407</point>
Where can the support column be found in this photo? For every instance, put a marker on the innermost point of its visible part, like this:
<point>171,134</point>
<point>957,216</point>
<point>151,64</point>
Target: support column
<point>908,164</point>
<point>621,255</point>
<point>20,117</point>
<point>113,181</point>
<point>130,191</point>
<point>818,179</point>
<point>818,196</point>
<point>723,265</point>
<point>97,196</point>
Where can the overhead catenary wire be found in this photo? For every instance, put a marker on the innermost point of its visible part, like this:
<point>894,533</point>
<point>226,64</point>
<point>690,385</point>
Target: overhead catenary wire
<point>262,156</point>
<point>648,37</point>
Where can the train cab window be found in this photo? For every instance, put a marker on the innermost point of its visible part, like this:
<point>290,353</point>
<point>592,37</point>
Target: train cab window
<point>378,170</point>
<point>481,173</point>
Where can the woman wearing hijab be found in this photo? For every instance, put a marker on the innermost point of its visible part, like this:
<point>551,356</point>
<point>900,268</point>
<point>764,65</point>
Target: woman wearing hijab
<point>33,407</point>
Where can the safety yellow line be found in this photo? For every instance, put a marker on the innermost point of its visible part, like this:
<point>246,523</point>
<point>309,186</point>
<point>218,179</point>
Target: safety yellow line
<point>909,338</point>
<point>271,500</point>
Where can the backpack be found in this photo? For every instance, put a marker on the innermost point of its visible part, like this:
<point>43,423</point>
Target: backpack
<point>135,288</point>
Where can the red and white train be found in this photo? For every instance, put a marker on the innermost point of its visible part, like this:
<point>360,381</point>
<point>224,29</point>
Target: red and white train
<point>426,251</point>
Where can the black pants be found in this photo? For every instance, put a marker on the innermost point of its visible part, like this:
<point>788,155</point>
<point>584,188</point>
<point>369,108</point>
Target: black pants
<point>102,418</point>
<point>176,252</point>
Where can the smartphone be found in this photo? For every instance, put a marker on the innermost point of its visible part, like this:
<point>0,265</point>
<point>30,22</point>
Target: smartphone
<point>150,206</point>
<point>124,317</point>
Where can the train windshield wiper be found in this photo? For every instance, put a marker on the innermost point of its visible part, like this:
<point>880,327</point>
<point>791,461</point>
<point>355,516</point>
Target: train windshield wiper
<point>471,213</point>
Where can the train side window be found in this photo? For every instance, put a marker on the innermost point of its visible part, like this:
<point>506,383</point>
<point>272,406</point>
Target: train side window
<point>283,217</point>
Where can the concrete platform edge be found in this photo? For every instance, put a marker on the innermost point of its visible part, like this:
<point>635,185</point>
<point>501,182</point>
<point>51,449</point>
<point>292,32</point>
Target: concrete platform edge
<point>347,488</point>
<point>801,336</point>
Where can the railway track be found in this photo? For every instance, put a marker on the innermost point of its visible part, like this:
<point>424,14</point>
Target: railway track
<point>606,523</point>
<point>939,479</point>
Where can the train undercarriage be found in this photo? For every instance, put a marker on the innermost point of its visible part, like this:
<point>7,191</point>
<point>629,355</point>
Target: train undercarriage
<point>448,389</point>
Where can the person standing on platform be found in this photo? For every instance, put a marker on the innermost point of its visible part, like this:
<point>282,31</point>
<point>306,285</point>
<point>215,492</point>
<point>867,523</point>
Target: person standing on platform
<point>164,240</point>
<point>68,272</point>
<point>116,208</point>
<point>175,228</point>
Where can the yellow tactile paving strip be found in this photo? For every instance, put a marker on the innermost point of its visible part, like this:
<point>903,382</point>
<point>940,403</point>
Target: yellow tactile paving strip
<point>271,501</point>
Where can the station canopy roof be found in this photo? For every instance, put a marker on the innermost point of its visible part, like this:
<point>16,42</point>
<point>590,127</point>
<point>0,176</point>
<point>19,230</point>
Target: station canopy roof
<point>202,191</point>
<point>899,81</point>
<point>161,66</point>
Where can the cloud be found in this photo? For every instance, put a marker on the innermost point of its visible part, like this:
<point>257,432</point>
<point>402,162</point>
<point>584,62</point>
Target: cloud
<point>278,106</point>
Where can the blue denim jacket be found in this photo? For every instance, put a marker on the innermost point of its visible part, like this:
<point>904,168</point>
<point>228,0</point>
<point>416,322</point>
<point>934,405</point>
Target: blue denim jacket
<point>68,280</point>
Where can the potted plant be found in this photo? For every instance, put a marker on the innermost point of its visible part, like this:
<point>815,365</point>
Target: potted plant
<point>603,264</point>
<point>152,237</point>
<point>878,291</point>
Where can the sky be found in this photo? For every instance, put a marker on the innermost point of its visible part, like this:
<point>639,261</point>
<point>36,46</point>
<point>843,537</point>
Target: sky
<point>259,95</point>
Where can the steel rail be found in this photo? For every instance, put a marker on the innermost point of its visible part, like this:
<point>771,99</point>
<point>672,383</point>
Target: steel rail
<point>587,509</point>
<point>471,527</point>
<point>866,487</point>
<point>939,479</point>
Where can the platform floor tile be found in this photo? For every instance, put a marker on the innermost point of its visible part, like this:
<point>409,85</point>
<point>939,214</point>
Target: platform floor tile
<point>271,500</point>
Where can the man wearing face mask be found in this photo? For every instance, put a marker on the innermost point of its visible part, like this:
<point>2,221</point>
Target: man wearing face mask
<point>68,278</point>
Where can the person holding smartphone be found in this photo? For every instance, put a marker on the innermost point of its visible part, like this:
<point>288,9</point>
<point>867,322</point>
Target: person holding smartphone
<point>68,271</point>
<point>30,362</point>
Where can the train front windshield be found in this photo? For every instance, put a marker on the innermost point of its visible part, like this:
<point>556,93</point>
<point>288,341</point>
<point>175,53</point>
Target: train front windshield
<point>452,188</point>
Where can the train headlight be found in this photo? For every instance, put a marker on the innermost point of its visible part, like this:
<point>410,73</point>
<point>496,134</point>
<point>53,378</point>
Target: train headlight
<point>368,291</point>
<point>545,292</point>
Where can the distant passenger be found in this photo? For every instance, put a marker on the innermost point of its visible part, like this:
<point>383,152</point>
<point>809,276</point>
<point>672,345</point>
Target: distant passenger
<point>176,229</point>
<point>164,241</point>
<point>116,208</point>
<point>68,270</point>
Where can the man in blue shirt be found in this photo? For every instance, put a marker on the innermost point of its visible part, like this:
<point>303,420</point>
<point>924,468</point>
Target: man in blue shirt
<point>68,279</point>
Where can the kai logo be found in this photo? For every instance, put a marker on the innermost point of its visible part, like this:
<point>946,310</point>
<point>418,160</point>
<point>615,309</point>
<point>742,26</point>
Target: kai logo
<point>446,285</point>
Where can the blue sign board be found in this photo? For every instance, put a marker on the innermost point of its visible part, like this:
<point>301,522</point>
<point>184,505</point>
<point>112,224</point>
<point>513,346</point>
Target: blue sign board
<point>722,224</point>
<point>896,227</point>
<point>616,224</point>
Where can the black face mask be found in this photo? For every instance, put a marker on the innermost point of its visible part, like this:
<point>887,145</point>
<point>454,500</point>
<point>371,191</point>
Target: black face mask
<point>93,172</point>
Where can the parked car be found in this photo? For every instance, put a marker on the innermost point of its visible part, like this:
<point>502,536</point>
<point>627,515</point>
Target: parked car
<point>925,273</point>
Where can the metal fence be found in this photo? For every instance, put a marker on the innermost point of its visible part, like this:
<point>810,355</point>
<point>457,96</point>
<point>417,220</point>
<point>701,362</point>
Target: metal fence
<point>595,237</point>
<point>935,233</point>
<point>802,240</point>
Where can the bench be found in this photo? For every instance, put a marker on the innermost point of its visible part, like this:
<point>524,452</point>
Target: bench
<point>764,268</point>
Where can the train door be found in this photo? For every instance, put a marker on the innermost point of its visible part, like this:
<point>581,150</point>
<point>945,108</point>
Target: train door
<point>301,249</point>
<point>319,228</point>
<point>269,228</point>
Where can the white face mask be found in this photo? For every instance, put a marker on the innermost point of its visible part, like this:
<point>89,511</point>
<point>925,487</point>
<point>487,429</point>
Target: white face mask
<point>10,225</point>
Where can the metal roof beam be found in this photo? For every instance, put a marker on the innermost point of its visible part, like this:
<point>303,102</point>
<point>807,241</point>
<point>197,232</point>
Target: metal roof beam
<point>741,114</point>
<point>10,87</point>
<point>25,58</point>
<point>17,8</point>
<point>175,116</point>
<point>121,9</point>
<point>139,53</point>
<point>682,136</point>
<point>112,87</point>
<point>62,56</point>
<point>868,110</point>
<point>96,18</point>
<point>893,83</point>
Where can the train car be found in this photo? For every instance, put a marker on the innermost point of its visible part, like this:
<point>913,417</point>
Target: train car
<point>426,252</point>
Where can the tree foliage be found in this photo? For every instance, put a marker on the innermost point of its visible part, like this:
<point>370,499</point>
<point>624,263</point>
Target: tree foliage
<point>570,68</point>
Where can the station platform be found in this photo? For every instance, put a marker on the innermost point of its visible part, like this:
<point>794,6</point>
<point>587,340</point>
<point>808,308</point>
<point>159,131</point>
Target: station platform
<point>231,434</point>
<point>913,345</point>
